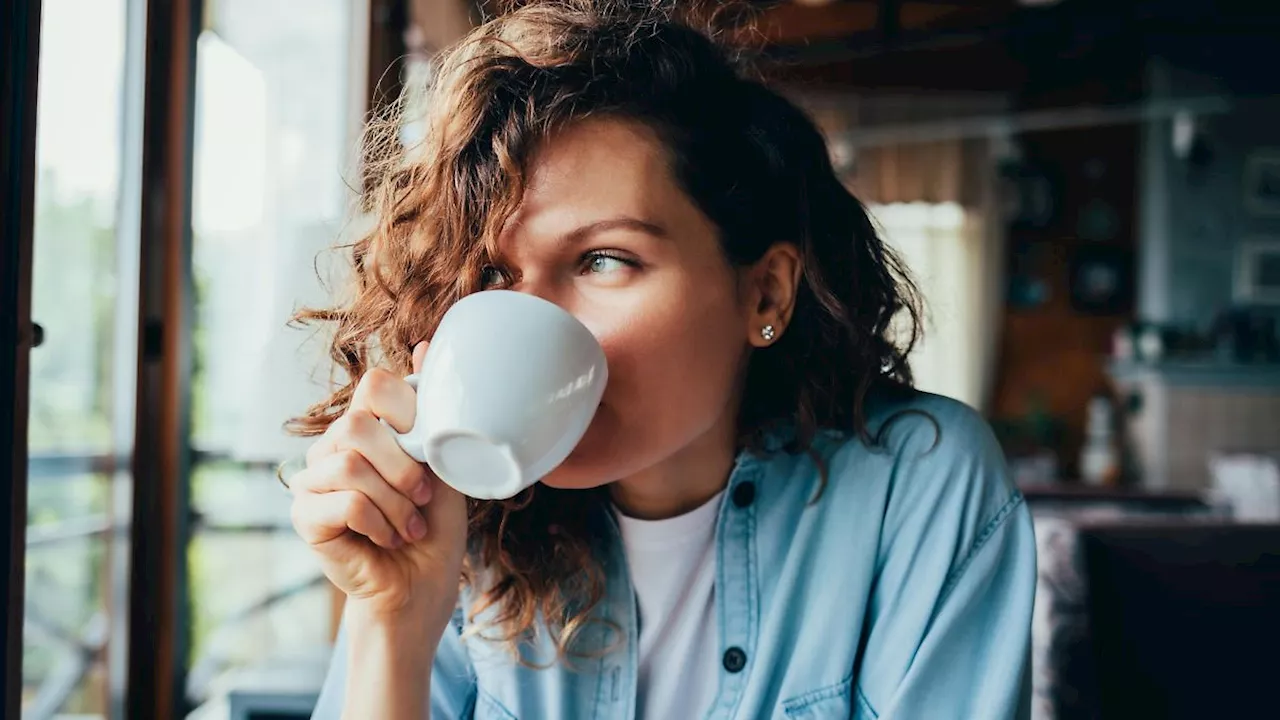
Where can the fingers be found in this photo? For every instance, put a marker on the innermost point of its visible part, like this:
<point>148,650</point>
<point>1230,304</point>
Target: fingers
<point>322,517</point>
<point>349,470</point>
<point>387,396</point>
<point>358,478</point>
<point>359,430</point>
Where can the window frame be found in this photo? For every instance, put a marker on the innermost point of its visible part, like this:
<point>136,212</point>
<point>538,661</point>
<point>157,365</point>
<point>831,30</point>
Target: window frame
<point>19,66</point>
<point>159,462</point>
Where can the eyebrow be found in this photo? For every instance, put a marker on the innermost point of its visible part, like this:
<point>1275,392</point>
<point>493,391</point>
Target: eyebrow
<point>618,223</point>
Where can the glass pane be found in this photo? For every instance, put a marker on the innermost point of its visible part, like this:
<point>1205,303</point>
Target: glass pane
<point>65,626</point>
<point>276,118</point>
<point>56,501</point>
<point>77,192</point>
<point>275,606</point>
<point>274,137</point>
<point>84,297</point>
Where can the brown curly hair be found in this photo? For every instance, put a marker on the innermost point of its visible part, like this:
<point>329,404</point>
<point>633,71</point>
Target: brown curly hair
<point>753,162</point>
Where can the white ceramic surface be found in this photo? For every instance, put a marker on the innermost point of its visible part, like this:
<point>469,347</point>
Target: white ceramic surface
<point>509,386</point>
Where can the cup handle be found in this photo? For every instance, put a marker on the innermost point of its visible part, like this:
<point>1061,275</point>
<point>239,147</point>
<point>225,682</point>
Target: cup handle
<point>410,442</point>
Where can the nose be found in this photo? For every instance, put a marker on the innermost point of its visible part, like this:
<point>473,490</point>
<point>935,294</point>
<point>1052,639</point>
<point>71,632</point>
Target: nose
<point>541,287</point>
<point>556,293</point>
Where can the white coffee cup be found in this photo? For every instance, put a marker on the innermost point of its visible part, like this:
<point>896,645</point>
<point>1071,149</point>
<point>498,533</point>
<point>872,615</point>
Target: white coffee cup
<point>508,387</point>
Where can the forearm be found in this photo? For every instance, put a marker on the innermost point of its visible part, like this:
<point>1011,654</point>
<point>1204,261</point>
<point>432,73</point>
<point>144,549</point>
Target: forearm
<point>389,666</point>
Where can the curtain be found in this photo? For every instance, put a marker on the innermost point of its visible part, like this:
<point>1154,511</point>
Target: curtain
<point>946,248</point>
<point>936,203</point>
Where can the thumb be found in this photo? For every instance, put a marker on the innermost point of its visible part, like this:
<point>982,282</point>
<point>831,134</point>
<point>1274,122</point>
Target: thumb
<point>419,354</point>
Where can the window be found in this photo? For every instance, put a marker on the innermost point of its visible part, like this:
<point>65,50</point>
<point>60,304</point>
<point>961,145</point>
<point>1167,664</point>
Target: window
<point>83,296</point>
<point>279,99</point>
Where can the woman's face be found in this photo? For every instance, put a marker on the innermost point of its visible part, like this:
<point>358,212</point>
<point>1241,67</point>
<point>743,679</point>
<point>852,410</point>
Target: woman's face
<point>605,232</point>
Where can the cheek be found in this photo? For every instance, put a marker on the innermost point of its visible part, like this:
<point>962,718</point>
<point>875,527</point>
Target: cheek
<point>672,344</point>
<point>672,374</point>
<point>663,360</point>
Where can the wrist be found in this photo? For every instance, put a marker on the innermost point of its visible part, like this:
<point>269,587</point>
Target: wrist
<point>389,659</point>
<point>413,621</point>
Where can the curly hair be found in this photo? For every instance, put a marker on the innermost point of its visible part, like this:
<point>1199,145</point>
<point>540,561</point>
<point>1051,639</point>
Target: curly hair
<point>751,160</point>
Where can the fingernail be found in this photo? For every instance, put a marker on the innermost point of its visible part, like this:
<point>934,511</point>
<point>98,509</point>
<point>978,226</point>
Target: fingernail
<point>422,494</point>
<point>417,527</point>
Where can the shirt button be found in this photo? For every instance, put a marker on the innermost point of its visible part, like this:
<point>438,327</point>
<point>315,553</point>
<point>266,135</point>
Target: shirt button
<point>734,659</point>
<point>744,494</point>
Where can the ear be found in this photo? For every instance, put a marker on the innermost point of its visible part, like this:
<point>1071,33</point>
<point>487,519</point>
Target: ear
<point>770,293</point>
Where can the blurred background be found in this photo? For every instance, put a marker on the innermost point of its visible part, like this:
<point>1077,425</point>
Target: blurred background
<point>1088,193</point>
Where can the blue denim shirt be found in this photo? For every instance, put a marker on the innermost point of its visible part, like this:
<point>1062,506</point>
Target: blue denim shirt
<point>902,589</point>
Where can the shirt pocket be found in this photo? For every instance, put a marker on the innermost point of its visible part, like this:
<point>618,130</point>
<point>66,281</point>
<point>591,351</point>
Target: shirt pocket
<point>825,703</point>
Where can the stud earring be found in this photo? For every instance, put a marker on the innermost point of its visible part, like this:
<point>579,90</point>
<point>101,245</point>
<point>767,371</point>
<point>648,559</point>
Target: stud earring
<point>768,333</point>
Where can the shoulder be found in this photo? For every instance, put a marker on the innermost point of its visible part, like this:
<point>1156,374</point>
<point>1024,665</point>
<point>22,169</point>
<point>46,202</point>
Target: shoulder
<point>932,429</point>
<point>919,434</point>
<point>939,465</point>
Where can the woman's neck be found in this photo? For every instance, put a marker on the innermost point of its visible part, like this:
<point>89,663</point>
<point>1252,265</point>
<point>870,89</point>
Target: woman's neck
<point>682,482</point>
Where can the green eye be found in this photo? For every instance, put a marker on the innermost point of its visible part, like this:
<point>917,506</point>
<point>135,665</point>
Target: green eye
<point>491,277</point>
<point>601,263</point>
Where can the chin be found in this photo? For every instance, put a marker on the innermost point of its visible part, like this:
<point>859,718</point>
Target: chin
<point>599,459</point>
<point>580,472</point>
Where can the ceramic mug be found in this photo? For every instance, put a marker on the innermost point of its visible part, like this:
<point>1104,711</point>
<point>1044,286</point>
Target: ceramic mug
<point>507,389</point>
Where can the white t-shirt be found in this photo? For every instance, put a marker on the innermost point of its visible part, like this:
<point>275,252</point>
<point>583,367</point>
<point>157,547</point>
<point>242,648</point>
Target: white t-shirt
<point>673,568</point>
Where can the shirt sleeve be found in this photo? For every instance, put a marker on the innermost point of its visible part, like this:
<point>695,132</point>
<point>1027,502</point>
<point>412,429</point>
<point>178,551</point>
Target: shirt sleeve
<point>949,631</point>
<point>452,679</point>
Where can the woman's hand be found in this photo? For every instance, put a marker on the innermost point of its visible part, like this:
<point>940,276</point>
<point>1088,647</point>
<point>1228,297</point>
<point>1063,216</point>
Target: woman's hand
<point>388,532</point>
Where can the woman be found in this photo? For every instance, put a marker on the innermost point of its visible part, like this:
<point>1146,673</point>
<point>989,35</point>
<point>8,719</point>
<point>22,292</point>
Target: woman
<point>763,520</point>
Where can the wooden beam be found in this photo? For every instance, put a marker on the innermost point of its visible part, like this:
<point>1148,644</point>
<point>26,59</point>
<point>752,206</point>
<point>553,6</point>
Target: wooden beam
<point>918,15</point>
<point>158,606</point>
<point>972,67</point>
<point>790,23</point>
<point>795,24</point>
<point>19,60</point>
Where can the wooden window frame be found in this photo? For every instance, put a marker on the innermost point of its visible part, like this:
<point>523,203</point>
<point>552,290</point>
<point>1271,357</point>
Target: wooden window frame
<point>157,640</point>
<point>158,634</point>
<point>19,70</point>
